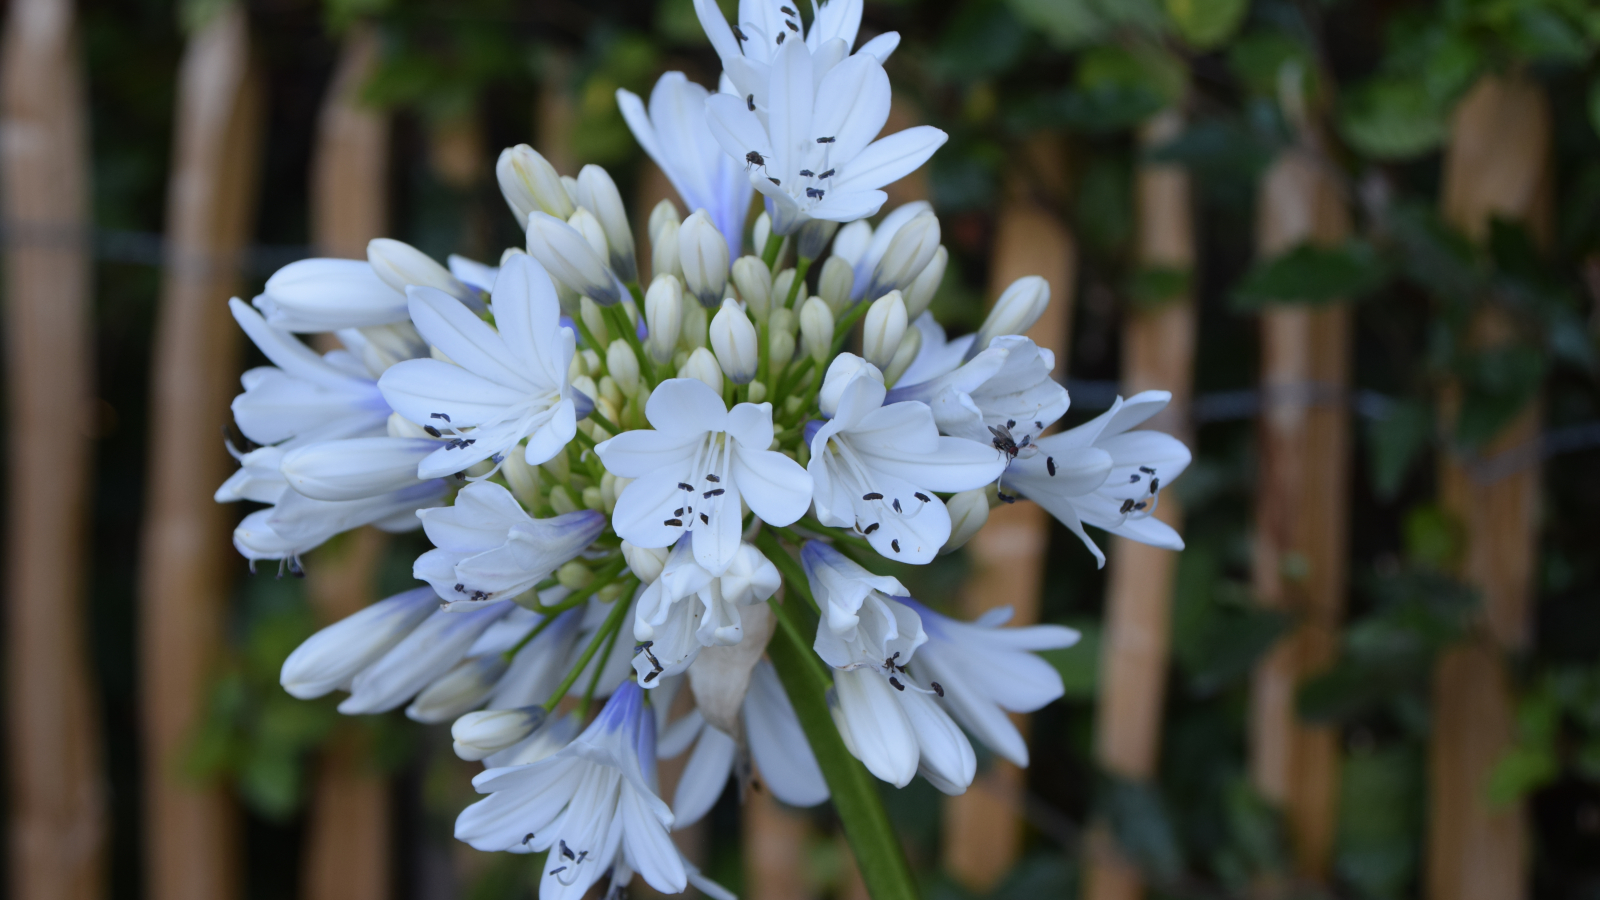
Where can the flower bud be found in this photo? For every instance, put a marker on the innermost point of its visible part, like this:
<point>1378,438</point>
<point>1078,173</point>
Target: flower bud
<point>609,391</point>
<point>598,194</point>
<point>561,500</point>
<point>703,253</point>
<point>782,285</point>
<point>645,562</point>
<point>530,183</point>
<point>591,361</point>
<point>910,345</point>
<point>733,339</point>
<point>760,232</point>
<point>663,315</point>
<point>623,366</point>
<point>400,265</point>
<point>816,329</point>
<point>593,498</point>
<point>523,478</point>
<point>570,185</point>
<point>574,576</point>
<point>460,689</point>
<point>919,296</point>
<point>703,365</point>
<point>694,326</point>
<point>844,368</point>
<point>758,392</point>
<point>595,321</point>
<point>754,281</point>
<point>884,326</point>
<point>968,511</point>
<point>836,282</point>
<point>780,344</point>
<point>484,733</point>
<point>664,212</point>
<point>586,224</point>
<point>664,250</point>
<point>1015,312</point>
<point>570,259</point>
<point>814,237</point>
<point>334,655</point>
<point>908,254</point>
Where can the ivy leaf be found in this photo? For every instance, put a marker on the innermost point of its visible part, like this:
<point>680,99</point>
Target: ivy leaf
<point>1206,24</point>
<point>1393,118</point>
<point>1311,274</point>
<point>1498,384</point>
<point>1395,442</point>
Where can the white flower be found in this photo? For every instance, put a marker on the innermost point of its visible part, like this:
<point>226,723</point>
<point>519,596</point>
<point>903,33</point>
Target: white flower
<point>508,382</point>
<point>703,258</point>
<point>1008,387</point>
<point>487,547</point>
<point>259,477</point>
<point>764,27</point>
<point>598,194</point>
<point>299,524</point>
<point>777,745</point>
<point>424,655</point>
<point>807,127</point>
<point>909,252</point>
<point>937,355</point>
<point>692,471</point>
<point>734,340</point>
<point>863,246</point>
<point>329,294</point>
<point>876,467</point>
<point>1063,475</point>
<point>592,804</point>
<point>529,182</point>
<point>571,259</point>
<point>888,720</point>
<point>688,607</point>
<point>983,671</point>
<point>400,265</point>
<point>356,467</point>
<point>675,134</point>
<point>330,658</point>
<point>1019,306</point>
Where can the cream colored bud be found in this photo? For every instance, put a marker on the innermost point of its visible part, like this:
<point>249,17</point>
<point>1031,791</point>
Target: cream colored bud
<point>910,345</point>
<point>401,265</point>
<point>695,318</point>
<point>594,499</point>
<point>1015,312</point>
<point>780,347</point>
<point>610,391</point>
<point>598,194</point>
<point>703,365</point>
<point>969,510</point>
<point>844,369</point>
<point>570,184</point>
<point>645,563</point>
<point>754,281</point>
<point>816,329</point>
<point>586,386</point>
<point>401,427</point>
<point>882,329</point>
<point>623,366</point>
<point>664,250</point>
<point>782,285</point>
<point>570,256</point>
<point>704,256</point>
<point>835,283</point>
<point>760,232</point>
<point>523,478</point>
<point>585,223</point>
<point>919,296</point>
<point>663,316</point>
<point>559,467</point>
<point>734,341</point>
<point>478,735</point>
<point>758,393</point>
<point>664,212</point>
<point>561,500</point>
<point>912,246</point>
<point>574,575</point>
<point>591,360</point>
<point>529,182</point>
<point>595,321</point>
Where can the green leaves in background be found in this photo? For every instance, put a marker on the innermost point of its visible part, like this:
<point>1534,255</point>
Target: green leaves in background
<point>1558,728</point>
<point>1395,441</point>
<point>1078,665</point>
<point>1141,825</point>
<point>1309,274</point>
<point>1380,817</point>
<point>1206,24</point>
<point>1118,87</point>
<point>1393,118</point>
<point>1072,24</point>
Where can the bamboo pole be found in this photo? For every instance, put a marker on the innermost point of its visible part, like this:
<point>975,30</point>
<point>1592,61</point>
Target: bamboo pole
<point>1301,511</point>
<point>347,835</point>
<point>983,827</point>
<point>1157,352</point>
<point>1497,164</point>
<point>191,829</point>
<point>57,802</point>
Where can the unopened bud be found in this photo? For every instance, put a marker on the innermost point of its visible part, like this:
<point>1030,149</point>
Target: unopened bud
<point>703,366</point>
<point>780,340</point>
<point>645,562</point>
<point>481,734</point>
<point>664,212</point>
<point>733,339</point>
<point>844,369</point>
<point>968,511</point>
<point>760,232</point>
<point>693,335</point>
<point>623,366</point>
<point>910,345</point>
<point>574,576</point>
<point>598,194</point>
<point>523,478</point>
<point>703,253</point>
<point>754,281</point>
<point>663,316</point>
<point>460,689</point>
<point>884,326</point>
<point>586,224</point>
<point>530,183</point>
<point>591,361</point>
<point>594,499</point>
<point>836,282</point>
<point>908,253</point>
<point>561,500</point>
<point>610,392</point>
<point>758,392</point>
<point>816,329</point>
<point>595,321</point>
<point>919,296</point>
<point>570,259</point>
<point>1015,312</point>
<point>664,250</point>
<point>401,265</point>
<point>782,285</point>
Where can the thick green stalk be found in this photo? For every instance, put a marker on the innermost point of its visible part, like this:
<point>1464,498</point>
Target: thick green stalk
<point>769,253</point>
<point>855,792</point>
<point>800,270</point>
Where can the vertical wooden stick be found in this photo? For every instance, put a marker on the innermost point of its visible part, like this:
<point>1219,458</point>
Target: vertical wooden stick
<point>775,850</point>
<point>983,827</point>
<point>1157,352</point>
<point>347,837</point>
<point>57,816</point>
<point>1496,165</point>
<point>190,830</point>
<point>1301,511</point>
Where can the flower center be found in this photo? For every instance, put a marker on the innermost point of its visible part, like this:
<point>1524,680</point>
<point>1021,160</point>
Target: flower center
<point>705,484</point>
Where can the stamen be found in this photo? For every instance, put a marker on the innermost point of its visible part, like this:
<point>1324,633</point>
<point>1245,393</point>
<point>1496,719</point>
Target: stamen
<point>896,682</point>
<point>827,174</point>
<point>870,528</point>
<point>897,505</point>
<point>937,689</point>
<point>1133,479</point>
<point>751,102</point>
<point>718,492</point>
<point>674,523</point>
<point>895,544</point>
<point>1050,465</point>
<point>826,140</point>
<point>781,36</point>
<point>872,496</point>
<point>739,34</point>
<point>806,173</point>
<point>439,416</point>
<point>704,519</point>
<point>1005,497</point>
<point>712,477</point>
<point>1147,470</point>
<point>1155,485</point>
<point>432,431</point>
<point>1127,507</point>
<point>921,496</point>
<point>685,487</point>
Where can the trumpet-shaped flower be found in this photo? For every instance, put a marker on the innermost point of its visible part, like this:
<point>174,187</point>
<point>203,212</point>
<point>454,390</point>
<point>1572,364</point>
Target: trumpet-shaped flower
<point>692,471</point>
<point>299,524</point>
<point>329,294</point>
<point>423,656</point>
<point>503,384</point>
<point>332,657</point>
<point>687,608</point>
<point>1004,393</point>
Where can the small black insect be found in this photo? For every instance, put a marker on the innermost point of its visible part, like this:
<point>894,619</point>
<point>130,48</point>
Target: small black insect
<point>895,544</point>
<point>1050,465</point>
<point>750,101</point>
<point>1003,441</point>
<point>461,588</point>
<point>890,664</point>
<point>528,838</point>
<point>753,158</point>
<point>870,528</point>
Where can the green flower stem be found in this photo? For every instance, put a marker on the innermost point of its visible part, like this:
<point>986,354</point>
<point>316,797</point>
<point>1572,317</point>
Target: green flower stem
<point>769,253</point>
<point>791,378</point>
<point>599,667</point>
<point>610,625</point>
<point>855,792</point>
<point>801,267</point>
<point>619,321</point>
<point>841,329</point>
<point>596,417</point>
<point>767,542</point>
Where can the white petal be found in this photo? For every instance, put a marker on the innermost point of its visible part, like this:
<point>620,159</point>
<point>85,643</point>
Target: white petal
<point>776,487</point>
<point>333,656</point>
<point>889,159</point>
<point>945,750</point>
<point>777,742</point>
<point>355,468</point>
<point>703,778</point>
<point>881,735</point>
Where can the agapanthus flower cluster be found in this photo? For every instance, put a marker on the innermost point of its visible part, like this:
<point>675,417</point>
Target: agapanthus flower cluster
<point>631,461</point>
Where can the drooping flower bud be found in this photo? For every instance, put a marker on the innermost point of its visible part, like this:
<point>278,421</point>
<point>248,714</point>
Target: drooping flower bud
<point>733,339</point>
<point>969,510</point>
<point>1015,312</point>
<point>919,296</point>
<point>703,366</point>
<point>530,183</point>
<point>481,734</point>
<point>703,253</point>
<point>569,258</point>
<point>401,265</point>
<point>754,282</point>
<point>598,194</point>
<point>664,250</point>
<point>663,212</point>
<point>816,329</point>
<point>844,367</point>
<point>884,326</point>
<point>908,254</point>
<point>460,689</point>
<point>910,345</point>
<point>835,283</point>
<point>623,366</point>
<point>334,655</point>
<point>663,315</point>
<point>645,562</point>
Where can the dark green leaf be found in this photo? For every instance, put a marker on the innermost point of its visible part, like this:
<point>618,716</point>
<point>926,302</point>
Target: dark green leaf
<point>1141,826</point>
<point>1395,442</point>
<point>1312,274</point>
<point>1393,118</point>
